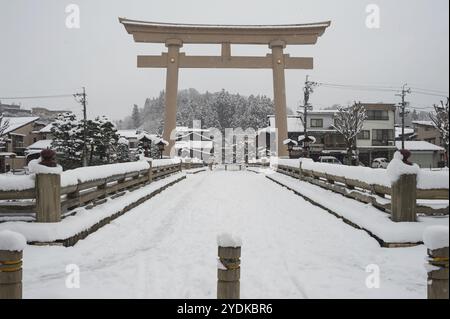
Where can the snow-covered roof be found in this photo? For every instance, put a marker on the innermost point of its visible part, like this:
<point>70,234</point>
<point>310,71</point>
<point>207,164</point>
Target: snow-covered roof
<point>408,131</point>
<point>419,146</point>
<point>129,133</point>
<point>17,122</point>
<point>47,129</point>
<point>426,123</point>
<point>41,145</point>
<point>294,123</point>
<point>194,144</point>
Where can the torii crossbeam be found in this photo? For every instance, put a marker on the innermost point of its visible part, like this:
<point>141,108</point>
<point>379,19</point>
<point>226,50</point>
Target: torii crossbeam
<point>275,36</point>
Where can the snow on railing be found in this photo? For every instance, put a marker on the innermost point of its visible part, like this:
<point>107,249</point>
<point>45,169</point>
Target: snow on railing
<point>426,179</point>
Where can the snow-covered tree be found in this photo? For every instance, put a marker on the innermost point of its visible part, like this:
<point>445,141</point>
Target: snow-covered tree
<point>123,150</point>
<point>102,141</point>
<point>68,140</point>
<point>349,122</point>
<point>440,121</point>
<point>136,117</point>
<point>4,124</point>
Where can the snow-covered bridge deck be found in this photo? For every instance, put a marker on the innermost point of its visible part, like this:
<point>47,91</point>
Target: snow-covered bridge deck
<point>166,248</point>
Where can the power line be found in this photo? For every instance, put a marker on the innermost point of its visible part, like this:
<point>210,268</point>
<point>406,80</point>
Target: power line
<point>36,97</point>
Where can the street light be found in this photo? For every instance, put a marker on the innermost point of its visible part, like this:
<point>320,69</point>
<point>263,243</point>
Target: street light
<point>161,146</point>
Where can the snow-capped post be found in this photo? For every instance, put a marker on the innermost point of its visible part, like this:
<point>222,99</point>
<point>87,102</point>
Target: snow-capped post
<point>48,187</point>
<point>11,251</point>
<point>229,267</point>
<point>437,241</point>
<point>403,175</point>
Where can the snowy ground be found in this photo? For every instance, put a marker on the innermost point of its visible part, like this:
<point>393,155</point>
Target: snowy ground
<point>166,248</point>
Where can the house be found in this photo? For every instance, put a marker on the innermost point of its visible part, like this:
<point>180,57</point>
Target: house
<point>426,131</point>
<point>193,142</point>
<point>425,154</point>
<point>20,134</point>
<point>13,110</point>
<point>377,138</point>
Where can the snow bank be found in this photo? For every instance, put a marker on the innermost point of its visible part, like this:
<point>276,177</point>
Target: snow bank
<point>83,219</point>
<point>364,215</point>
<point>436,237</point>
<point>11,241</point>
<point>16,182</point>
<point>86,174</point>
<point>396,168</point>
<point>426,179</point>
<point>165,162</point>
<point>433,179</point>
<point>229,240</point>
<point>36,168</point>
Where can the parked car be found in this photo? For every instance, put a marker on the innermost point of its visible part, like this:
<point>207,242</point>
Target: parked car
<point>380,163</point>
<point>329,160</point>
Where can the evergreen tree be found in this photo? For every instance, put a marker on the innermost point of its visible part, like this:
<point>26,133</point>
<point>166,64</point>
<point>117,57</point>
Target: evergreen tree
<point>136,117</point>
<point>123,150</point>
<point>68,140</point>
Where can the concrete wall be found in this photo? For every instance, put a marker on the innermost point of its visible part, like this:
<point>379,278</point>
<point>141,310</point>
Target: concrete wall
<point>425,159</point>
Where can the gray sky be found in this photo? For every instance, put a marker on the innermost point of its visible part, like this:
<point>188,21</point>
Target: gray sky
<point>40,56</point>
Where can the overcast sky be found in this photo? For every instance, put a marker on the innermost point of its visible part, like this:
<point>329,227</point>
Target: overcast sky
<point>39,55</point>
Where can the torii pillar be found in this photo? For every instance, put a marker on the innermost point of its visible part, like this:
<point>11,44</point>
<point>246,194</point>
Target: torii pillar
<point>279,94</point>
<point>170,122</point>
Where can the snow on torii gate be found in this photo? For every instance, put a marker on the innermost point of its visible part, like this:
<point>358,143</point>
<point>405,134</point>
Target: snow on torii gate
<point>275,36</point>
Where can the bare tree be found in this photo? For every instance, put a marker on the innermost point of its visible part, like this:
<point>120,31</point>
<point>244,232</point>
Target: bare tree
<point>349,122</point>
<point>4,124</point>
<point>440,121</point>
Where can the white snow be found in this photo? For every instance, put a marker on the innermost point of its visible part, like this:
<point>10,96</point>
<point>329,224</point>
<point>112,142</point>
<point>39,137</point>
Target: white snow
<point>18,122</point>
<point>16,182</point>
<point>363,215</point>
<point>165,162</point>
<point>168,245</point>
<point>35,168</point>
<point>289,141</point>
<point>41,145</point>
<point>229,240</point>
<point>12,241</point>
<point>419,146</point>
<point>86,174</point>
<point>84,218</point>
<point>397,168</point>
<point>436,237</point>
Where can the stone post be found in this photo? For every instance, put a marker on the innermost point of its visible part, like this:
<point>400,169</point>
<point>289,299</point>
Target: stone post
<point>150,172</point>
<point>229,273</point>
<point>48,198</point>
<point>403,199</point>
<point>436,239</point>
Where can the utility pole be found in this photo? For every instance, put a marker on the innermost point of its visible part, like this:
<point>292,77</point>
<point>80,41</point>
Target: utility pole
<point>403,104</point>
<point>308,89</point>
<point>81,98</point>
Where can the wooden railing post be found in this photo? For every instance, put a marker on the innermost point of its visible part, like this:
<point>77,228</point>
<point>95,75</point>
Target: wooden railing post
<point>436,239</point>
<point>150,172</point>
<point>11,253</point>
<point>300,172</point>
<point>403,200</point>
<point>48,198</point>
<point>229,273</point>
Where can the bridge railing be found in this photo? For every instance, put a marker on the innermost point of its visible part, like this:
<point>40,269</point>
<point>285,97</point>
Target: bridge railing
<point>379,195</point>
<point>50,197</point>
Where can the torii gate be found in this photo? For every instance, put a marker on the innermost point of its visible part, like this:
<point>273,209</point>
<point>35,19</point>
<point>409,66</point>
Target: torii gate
<point>275,36</point>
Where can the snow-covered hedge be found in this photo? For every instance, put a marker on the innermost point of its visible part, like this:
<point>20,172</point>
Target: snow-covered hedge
<point>425,179</point>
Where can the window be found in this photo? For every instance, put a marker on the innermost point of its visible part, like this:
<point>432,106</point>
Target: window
<point>382,137</point>
<point>316,122</point>
<point>377,115</point>
<point>364,135</point>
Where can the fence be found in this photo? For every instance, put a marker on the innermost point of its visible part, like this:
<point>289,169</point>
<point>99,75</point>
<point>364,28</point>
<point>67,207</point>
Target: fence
<point>380,196</point>
<point>49,199</point>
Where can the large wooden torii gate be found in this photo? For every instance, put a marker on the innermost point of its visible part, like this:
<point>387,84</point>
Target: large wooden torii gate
<point>275,36</point>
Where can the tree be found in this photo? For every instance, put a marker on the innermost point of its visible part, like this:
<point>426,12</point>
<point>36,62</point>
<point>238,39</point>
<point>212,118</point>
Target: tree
<point>440,121</point>
<point>4,124</point>
<point>68,140</point>
<point>136,117</point>
<point>123,150</point>
<point>349,122</point>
